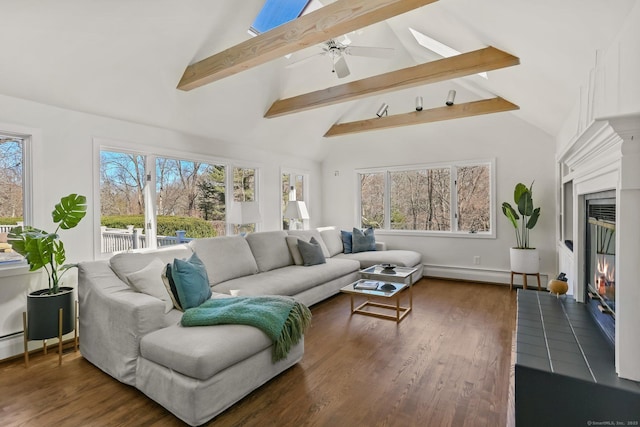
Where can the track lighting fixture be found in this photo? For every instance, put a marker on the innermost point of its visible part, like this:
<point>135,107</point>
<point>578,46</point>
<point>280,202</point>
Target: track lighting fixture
<point>383,110</point>
<point>451,97</point>
<point>418,103</point>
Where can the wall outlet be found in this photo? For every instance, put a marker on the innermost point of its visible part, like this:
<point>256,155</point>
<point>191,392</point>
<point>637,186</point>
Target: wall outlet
<point>476,260</point>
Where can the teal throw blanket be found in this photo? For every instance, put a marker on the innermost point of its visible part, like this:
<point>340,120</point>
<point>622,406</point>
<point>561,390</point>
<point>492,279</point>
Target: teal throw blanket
<point>283,319</point>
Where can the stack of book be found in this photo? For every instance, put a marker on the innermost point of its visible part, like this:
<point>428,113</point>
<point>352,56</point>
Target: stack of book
<point>368,284</point>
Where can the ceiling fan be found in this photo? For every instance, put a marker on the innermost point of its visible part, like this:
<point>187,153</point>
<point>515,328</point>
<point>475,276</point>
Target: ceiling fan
<point>337,51</point>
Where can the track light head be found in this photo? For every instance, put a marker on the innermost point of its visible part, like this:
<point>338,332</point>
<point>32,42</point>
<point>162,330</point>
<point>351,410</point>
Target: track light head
<point>383,110</point>
<point>451,97</point>
<point>418,103</point>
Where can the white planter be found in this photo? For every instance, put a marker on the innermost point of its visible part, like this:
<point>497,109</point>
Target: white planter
<point>525,261</point>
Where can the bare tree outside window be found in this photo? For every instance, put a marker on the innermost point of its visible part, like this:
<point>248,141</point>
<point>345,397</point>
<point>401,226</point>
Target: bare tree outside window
<point>420,199</point>
<point>474,197</point>
<point>372,199</point>
<point>189,196</point>
<point>122,179</point>
<point>11,180</point>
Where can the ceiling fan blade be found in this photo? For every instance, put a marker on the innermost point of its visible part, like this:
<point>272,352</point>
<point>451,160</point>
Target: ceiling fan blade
<point>303,60</point>
<point>341,68</point>
<point>371,52</point>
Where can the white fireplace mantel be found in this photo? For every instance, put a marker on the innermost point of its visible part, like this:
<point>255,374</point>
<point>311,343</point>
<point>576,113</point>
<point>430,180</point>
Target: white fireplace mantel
<point>606,156</point>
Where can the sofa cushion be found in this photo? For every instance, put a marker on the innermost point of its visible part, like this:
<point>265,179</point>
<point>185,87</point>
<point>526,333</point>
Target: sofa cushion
<point>332,239</point>
<point>306,235</point>
<point>270,249</point>
<point>191,281</point>
<point>396,256</point>
<point>289,280</point>
<point>225,257</point>
<point>363,240</point>
<point>347,237</point>
<point>149,281</point>
<point>203,351</point>
<point>292,243</point>
<point>126,263</point>
<point>311,252</point>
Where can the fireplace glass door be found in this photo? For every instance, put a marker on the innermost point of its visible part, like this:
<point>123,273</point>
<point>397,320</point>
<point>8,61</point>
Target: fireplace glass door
<point>601,256</point>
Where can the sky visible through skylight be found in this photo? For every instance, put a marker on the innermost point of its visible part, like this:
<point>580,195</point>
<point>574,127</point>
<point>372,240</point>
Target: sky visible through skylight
<point>277,12</point>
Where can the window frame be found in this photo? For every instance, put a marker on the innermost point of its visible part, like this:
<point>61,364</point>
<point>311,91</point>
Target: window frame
<point>453,166</point>
<point>151,153</point>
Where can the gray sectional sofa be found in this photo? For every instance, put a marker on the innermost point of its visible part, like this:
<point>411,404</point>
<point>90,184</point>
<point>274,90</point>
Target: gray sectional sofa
<point>198,372</point>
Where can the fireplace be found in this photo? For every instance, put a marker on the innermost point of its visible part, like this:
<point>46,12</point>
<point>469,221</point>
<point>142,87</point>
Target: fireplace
<point>600,257</point>
<point>601,169</point>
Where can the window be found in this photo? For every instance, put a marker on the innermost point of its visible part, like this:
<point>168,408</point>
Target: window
<point>277,12</point>
<point>420,199</point>
<point>15,194</point>
<point>293,187</point>
<point>455,199</point>
<point>11,181</point>
<point>244,190</point>
<point>372,190</point>
<point>148,201</point>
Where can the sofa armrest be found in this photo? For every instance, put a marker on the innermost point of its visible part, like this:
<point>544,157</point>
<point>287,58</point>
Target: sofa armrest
<point>381,246</point>
<point>113,319</point>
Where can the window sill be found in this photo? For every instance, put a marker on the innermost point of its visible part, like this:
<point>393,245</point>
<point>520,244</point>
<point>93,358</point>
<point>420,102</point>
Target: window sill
<point>13,269</point>
<point>422,233</point>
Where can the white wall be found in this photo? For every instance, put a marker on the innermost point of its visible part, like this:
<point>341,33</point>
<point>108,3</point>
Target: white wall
<point>523,153</point>
<point>63,163</point>
<point>612,87</point>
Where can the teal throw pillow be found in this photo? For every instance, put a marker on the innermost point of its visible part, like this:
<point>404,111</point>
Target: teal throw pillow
<point>347,236</point>
<point>311,252</point>
<point>363,241</point>
<point>191,281</point>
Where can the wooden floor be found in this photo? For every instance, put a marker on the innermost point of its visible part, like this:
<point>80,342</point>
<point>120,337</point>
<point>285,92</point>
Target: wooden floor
<point>446,364</point>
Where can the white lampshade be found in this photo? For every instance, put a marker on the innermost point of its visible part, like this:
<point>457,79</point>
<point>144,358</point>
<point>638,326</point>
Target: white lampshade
<point>244,213</point>
<point>296,210</point>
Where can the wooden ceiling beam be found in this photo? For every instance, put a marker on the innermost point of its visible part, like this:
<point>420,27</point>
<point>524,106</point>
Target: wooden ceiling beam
<point>456,111</point>
<point>465,64</point>
<point>330,21</point>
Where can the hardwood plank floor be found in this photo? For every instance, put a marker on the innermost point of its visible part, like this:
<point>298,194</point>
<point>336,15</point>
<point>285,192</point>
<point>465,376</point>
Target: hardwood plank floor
<point>446,364</point>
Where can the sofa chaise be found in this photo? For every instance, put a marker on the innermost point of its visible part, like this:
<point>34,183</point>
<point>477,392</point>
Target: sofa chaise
<point>198,372</point>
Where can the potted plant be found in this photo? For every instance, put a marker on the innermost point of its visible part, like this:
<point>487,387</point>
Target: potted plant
<point>524,259</point>
<point>45,250</point>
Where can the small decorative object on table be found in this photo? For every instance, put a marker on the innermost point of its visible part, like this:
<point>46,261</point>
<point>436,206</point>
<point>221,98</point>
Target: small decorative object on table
<point>388,267</point>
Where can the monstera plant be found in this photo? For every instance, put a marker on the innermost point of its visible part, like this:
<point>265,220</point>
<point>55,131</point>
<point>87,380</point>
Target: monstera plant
<point>46,250</point>
<point>528,218</point>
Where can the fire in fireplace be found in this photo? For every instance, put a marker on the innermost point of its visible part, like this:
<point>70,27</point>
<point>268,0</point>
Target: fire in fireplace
<point>601,260</point>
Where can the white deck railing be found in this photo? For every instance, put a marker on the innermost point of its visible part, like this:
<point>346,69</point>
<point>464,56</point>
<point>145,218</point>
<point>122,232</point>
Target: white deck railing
<point>117,239</point>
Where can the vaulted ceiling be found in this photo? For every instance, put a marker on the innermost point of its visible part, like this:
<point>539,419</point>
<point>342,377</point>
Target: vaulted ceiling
<point>124,60</point>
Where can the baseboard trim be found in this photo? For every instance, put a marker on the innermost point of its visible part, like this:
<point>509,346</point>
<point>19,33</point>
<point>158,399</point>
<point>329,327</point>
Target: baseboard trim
<point>483,275</point>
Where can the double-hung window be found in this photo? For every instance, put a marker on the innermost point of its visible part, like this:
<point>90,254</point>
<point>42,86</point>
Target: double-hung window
<point>454,199</point>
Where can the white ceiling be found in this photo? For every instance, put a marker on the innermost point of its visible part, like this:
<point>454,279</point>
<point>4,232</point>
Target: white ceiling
<point>123,59</point>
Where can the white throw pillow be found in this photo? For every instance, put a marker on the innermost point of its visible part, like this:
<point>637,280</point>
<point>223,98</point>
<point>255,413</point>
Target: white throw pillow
<point>292,243</point>
<point>149,281</point>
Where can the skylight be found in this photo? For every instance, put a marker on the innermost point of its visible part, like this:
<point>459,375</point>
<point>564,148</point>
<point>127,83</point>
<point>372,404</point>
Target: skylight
<point>437,47</point>
<point>277,12</point>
